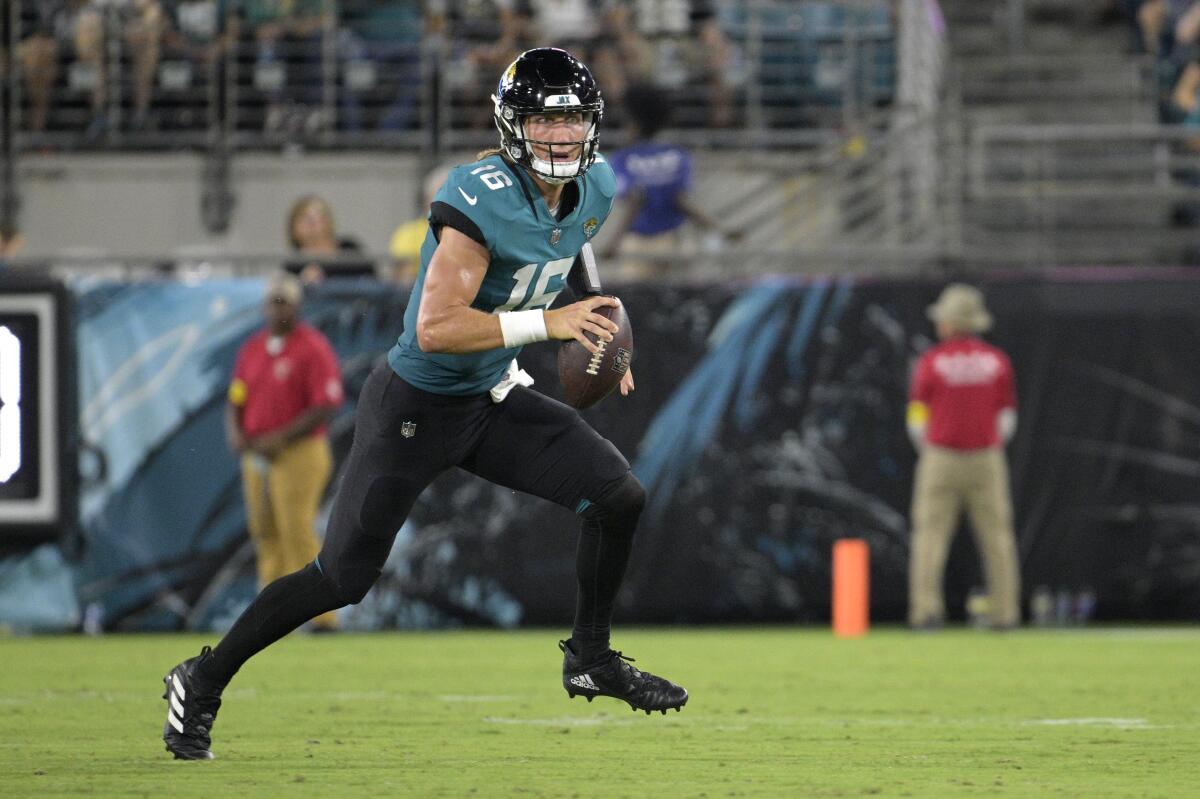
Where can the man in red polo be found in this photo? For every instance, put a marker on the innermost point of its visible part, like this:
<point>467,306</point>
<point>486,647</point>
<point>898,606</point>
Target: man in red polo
<point>962,410</point>
<point>286,387</point>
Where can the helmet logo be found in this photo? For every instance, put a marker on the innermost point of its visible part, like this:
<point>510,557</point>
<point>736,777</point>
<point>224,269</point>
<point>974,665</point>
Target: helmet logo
<point>562,100</point>
<point>510,74</point>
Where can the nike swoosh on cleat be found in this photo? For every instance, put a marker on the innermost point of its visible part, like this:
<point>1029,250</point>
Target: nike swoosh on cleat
<point>467,197</point>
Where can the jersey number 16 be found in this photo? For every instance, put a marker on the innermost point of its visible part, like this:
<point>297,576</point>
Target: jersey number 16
<point>536,285</point>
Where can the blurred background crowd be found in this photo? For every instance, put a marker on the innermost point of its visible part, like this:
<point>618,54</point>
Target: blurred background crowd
<point>909,136</point>
<point>112,69</point>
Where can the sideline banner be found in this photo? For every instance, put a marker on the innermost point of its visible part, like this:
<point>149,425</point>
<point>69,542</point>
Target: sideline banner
<point>768,422</point>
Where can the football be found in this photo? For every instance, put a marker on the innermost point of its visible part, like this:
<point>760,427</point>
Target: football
<point>588,378</point>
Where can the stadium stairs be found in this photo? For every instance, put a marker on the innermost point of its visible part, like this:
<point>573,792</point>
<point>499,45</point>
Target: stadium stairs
<point>1051,178</point>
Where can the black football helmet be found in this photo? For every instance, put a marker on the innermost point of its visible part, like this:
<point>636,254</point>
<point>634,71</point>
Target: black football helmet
<point>547,80</point>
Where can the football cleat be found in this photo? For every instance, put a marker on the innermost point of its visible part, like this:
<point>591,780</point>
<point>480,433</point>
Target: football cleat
<point>612,674</point>
<point>191,710</point>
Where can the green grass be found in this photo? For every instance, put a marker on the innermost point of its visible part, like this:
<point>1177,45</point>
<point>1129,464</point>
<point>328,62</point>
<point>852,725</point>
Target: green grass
<point>774,712</point>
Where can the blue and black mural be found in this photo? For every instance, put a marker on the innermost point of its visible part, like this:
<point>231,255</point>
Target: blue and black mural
<point>768,422</point>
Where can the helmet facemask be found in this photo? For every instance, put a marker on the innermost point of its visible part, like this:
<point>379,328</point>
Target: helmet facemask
<point>523,149</point>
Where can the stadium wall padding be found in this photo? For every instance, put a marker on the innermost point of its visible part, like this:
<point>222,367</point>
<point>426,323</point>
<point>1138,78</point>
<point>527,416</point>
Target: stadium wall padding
<point>768,421</point>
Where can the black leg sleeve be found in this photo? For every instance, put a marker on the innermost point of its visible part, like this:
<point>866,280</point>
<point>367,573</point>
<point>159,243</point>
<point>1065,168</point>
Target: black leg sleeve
<point>280,608</point>
<point>605,542</point>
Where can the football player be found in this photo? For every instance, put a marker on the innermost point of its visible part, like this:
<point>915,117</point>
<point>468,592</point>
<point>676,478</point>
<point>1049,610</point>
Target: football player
<point>504,234</point>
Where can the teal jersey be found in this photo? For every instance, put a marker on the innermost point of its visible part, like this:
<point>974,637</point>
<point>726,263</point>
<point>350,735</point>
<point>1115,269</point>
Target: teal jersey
<point>499,205</point>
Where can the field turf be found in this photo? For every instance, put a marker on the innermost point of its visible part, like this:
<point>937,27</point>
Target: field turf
<point>773,712</point>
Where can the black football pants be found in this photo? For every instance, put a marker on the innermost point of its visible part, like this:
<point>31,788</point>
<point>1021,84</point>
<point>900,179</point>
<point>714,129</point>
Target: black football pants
<point>405,437</point>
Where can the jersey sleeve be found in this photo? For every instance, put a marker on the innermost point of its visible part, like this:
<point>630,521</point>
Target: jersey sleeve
<point>466,202</point>
<point>604,182</point>
<point>322,376</point>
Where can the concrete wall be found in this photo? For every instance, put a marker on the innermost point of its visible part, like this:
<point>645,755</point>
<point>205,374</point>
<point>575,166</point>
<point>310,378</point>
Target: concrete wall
<point>150,205</point>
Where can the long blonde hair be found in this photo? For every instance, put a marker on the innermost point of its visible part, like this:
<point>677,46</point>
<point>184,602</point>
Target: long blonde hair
<point>299,207</point>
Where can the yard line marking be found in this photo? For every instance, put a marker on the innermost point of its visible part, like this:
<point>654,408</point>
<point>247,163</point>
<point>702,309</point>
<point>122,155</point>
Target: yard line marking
<point>562,721</point>
<point>1125,724</point>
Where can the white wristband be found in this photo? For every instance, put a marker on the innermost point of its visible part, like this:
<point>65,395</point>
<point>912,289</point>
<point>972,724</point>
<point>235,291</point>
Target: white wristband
<point>523,327</point>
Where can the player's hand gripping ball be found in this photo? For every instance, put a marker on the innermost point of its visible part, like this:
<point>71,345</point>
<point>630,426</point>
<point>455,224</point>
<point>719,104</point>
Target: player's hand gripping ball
<point>588,378</point>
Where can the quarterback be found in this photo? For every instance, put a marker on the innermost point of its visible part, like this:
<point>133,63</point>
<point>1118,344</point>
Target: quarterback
<point>505,237</point>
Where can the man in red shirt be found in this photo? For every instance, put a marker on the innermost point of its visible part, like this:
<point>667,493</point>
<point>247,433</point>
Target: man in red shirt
<point>286,387</point>
<point>962,410</point>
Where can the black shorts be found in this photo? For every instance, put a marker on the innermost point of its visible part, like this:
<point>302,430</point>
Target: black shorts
<point>405,437</point>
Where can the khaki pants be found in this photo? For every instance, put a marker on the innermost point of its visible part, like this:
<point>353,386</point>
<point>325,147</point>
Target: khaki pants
<point>282,498</point>
<point>945,481</point>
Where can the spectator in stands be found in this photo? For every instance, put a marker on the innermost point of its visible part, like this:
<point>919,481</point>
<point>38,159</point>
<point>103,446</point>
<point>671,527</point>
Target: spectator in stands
<point>387,35</point>
<point>1157,20</point>
<point>588,29</point>
<point>140,24</point>
<point>1179,79</point>
<point>78,30</point>
<point>286,388</point>
<point>320,252</point>
<point>678,44</point>
<point>962,410</point>
<point>653,183</point>
<point>485,36</point>
<point>37,54</point>
<point>198,38</point>
<point>1169,32</point>
<point>287,37</point>
<point>197,26</point>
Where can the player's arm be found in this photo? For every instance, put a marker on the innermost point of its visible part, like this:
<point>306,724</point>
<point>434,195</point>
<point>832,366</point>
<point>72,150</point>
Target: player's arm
<point>447,323</point>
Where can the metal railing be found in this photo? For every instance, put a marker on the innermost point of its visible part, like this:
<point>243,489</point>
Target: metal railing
<point>1005,25</point>
<point>1092,194</point>
<point>792,75</point>
<point>147,74</point>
